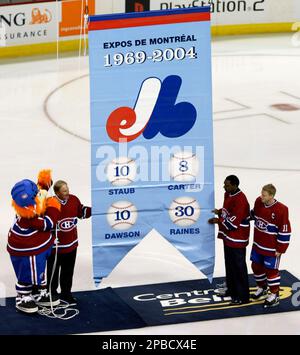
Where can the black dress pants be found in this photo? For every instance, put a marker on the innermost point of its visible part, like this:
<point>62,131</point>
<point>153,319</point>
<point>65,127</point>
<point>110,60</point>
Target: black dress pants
<point>63,274</point>
<point>236,273</point>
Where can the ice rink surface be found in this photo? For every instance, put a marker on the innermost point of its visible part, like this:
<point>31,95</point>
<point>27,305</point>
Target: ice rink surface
<point>44,123</point>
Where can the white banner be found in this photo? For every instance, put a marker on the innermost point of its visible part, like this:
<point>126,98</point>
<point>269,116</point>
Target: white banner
<point>28,24</point>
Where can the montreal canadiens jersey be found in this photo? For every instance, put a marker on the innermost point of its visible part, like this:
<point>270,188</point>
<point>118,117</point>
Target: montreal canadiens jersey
<point>71,210</point>
<point>234,220</point>
<point>272,229</point>
<point>33,236</point>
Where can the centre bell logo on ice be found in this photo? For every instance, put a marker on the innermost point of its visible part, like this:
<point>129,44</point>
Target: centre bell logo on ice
<point>155,111</point>
<point>185,299</point>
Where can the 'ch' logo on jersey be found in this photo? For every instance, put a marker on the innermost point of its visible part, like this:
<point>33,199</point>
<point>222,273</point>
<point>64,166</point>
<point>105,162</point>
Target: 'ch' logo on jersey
<point>261,224</point>
<point>67,224</point>
<point>155,111</point>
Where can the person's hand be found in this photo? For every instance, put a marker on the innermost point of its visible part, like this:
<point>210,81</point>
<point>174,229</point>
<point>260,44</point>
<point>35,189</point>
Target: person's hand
<point>213,220</point>
<point>277,254</point>
<point>215,211</point>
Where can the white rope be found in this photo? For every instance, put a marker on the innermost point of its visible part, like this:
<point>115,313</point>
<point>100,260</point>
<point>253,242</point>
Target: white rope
<point>52,311</point>
<point>80,35</point>
<point>57,31</point>
<point>86,23</point>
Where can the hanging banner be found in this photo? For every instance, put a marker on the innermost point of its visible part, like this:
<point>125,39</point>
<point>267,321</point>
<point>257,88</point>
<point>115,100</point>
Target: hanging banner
<point>151,132</point>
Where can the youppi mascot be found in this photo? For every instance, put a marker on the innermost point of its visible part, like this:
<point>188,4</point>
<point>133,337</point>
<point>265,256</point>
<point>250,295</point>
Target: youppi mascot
<point>30,240</point>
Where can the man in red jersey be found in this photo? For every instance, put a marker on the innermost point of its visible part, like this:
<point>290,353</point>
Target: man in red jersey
<point>272,231</point>
<point>234,227</point>
<point>66,230</point>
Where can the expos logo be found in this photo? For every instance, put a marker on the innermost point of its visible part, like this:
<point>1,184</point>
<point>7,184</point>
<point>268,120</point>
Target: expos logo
<point>67,224</point>
<point>155,111</point>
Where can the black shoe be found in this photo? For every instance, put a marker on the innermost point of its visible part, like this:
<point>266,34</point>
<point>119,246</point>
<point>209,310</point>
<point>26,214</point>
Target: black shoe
<point>26,304</point>
<point>44,299</point>
<point>69,299</point>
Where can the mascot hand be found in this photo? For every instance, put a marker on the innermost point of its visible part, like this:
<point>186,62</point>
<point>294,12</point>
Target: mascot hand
<point>45,179</point>
<point>53,202</point>
<point>41,202</point>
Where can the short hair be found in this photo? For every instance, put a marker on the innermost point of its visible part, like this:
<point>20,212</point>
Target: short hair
<point>270,188</point>
<point>234,180</point>
<point>57,186</point>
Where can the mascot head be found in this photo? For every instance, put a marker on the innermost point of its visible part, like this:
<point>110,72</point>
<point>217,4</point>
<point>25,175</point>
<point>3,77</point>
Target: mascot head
<point>29,198</point>
<point>24,193</point>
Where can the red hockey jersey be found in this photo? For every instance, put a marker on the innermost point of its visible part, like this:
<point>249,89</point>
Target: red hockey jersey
<point>33,236</point>
<point>234,220</point>
<point>71,210</point>
<point>272,229</point>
